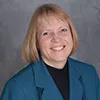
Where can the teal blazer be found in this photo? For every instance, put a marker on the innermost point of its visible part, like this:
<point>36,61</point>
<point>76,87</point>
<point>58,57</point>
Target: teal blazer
<point>35,83</point>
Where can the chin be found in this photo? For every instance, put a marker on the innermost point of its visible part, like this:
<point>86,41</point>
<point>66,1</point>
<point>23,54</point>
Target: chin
<point>60,59</point>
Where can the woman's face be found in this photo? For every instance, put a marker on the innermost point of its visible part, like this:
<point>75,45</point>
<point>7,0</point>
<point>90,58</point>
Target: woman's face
<point>54,41</point>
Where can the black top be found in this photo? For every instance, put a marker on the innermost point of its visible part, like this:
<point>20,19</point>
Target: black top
<point>60,77</point>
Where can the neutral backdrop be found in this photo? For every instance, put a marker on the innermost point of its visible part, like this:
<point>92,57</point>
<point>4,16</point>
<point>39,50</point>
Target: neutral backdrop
<point>15,16</point>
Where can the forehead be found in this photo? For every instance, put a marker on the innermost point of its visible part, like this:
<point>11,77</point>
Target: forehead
<point>51,22</point>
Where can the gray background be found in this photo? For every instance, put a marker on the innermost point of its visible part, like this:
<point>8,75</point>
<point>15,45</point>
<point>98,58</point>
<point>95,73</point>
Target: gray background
<point>14,20</point>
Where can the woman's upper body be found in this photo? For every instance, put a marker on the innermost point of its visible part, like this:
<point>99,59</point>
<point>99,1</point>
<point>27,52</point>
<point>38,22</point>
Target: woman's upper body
<point>51,38</point>
<point>35,83</point>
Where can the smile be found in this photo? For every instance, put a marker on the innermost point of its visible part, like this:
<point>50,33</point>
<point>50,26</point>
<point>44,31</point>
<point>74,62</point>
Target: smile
<point>58,48</point>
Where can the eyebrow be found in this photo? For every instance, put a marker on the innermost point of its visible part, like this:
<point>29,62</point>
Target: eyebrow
<point>58,28</point>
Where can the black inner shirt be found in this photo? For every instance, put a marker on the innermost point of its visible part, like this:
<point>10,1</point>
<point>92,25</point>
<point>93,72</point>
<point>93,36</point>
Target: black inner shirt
<point>60,77</point>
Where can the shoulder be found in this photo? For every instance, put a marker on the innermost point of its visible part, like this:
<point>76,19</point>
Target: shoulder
<point>23,75</point>
<point>82,67</point>
<point>87,76</point>
<point>87,71</point>
<point>22,79</point>
<point>20,85</point>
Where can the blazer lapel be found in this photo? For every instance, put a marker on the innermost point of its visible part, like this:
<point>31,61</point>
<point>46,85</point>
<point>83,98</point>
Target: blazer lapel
<point>75,80</point>
<point>47,89</point>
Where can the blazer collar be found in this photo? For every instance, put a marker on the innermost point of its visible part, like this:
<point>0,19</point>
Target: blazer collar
<point>47,89</point>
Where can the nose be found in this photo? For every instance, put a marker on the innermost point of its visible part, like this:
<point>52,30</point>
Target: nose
<point>55,37</point>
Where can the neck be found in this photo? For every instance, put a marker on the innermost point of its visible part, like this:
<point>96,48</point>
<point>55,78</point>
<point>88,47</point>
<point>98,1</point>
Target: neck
<point>56,64</point>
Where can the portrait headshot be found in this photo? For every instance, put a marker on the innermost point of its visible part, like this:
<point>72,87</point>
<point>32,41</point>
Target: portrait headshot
<point>57,60</point>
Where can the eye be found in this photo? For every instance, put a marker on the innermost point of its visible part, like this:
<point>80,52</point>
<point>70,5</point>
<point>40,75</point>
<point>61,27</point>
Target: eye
<point>45,33</point>
<point>63,30</point>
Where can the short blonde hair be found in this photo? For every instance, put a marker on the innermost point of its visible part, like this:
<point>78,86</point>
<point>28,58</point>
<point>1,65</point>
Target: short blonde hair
<point>29,49</point>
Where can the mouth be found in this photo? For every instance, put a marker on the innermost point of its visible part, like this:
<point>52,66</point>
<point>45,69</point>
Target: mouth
<point>58,48</point>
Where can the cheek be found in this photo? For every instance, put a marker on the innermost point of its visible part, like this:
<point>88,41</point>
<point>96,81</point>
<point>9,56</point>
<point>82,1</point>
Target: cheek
<point>43,45</point>
<point>71,42</point>
<point>70,38</point>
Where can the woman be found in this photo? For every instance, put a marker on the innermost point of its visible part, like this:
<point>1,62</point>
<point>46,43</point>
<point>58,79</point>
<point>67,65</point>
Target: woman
<point>51,73</point>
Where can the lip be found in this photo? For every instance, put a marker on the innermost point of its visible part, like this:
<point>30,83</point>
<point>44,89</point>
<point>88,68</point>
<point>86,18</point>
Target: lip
<point>58,48</point>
